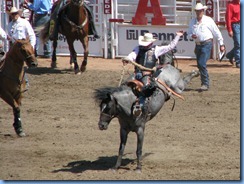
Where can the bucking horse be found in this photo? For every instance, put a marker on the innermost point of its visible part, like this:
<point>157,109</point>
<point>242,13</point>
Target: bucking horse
<point>118,102</point>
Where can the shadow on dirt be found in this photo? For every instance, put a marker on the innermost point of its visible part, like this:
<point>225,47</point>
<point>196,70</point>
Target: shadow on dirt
<point>102,163</point>
<point>224,65</point>
<point>46,70</point>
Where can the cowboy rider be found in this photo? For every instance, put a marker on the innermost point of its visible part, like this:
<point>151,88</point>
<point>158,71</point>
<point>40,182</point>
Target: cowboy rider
<point>59,7</point>
<point>146,54</point>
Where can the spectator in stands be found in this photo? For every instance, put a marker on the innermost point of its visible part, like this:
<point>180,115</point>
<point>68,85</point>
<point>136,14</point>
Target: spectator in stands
<point>20,28</point>
<point>202,29</point>
<point>146,54</point>
<point>42,10</point>
<point>233,27</point>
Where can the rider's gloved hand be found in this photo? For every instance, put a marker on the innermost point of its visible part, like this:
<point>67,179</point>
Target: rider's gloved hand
<point>125,60</point>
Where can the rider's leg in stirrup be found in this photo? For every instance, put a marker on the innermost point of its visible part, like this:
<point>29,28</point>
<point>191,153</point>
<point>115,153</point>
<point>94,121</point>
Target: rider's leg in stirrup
<point>91,20</point>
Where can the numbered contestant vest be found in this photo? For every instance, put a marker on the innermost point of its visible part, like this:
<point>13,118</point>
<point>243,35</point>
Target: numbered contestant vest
<point>146,58</point>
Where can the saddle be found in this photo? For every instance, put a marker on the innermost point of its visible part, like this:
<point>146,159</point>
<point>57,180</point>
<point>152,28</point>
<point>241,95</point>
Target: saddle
<point>136,87</point>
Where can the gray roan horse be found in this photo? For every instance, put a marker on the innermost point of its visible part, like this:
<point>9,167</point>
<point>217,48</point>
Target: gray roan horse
<point>119,101</point>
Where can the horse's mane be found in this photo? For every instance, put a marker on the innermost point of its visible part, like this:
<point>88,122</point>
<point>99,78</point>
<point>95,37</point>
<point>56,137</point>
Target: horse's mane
<point>102,93</point>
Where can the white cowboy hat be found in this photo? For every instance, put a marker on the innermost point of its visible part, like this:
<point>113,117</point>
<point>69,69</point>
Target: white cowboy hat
<point>14,10</point>
<point>146,39</point>
<point>199,6</point>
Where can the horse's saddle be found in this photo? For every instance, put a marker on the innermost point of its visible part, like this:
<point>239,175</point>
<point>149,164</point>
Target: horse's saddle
<point>135,85</point>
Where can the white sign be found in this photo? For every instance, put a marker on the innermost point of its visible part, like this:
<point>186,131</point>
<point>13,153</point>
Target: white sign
<point>128,39</point>
<point>95,47</point>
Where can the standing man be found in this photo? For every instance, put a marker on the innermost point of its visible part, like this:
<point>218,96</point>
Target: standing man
<point>202,29</point>
<point>20,28</point>
<point>42,10</point>
<point>232,18</point>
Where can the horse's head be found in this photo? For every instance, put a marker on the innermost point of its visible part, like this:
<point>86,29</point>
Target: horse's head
<point>107,111</point>
<point>27,52</point>
<point>77,2</point>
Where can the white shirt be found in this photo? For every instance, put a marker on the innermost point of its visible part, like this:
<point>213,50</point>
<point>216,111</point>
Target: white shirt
<point>159,50</point>
<point>21,29</point>
<point>3,35</point>
<point>204,30</point>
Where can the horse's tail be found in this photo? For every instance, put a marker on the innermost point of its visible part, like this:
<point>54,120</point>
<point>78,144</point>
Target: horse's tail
<point>44,32</point>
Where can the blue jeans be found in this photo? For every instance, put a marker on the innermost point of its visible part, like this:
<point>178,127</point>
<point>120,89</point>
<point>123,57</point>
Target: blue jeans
<point>203,54</point>
<point>40,20</point>
<point>235,52</point>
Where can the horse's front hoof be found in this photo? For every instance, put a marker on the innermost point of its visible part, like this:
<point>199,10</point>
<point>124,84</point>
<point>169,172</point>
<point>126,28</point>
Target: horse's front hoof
<point>20,132</point>
<point>138,170</point>
<point>77,72</point>
<point>83,68</point>
<point>53,65</point>
<point>113,169</point>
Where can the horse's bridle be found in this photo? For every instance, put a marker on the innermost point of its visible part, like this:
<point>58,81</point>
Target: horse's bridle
<point>111,116</point>
<point>78,27</point>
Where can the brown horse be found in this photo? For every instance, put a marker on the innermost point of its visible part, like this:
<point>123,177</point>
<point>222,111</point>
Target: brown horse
<point>73,23</point>
<point>12,84</point>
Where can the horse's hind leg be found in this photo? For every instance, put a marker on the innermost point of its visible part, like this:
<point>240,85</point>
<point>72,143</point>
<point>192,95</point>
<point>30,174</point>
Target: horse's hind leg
<point>182,83</point>
<point>17,122</point>
<point>190,76</point>
<point>73,56</point>
<point>86,52</point>
<point>54,58</point>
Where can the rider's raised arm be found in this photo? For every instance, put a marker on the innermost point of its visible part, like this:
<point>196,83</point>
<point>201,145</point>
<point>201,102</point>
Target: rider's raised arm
<point>159,50</point>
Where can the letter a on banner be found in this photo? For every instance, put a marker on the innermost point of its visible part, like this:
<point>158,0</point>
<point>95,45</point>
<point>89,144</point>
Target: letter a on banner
<point>143,8</point>
<point>210,10</point>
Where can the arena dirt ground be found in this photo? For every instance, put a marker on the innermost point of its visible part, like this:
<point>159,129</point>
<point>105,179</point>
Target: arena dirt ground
<point>198,140</point>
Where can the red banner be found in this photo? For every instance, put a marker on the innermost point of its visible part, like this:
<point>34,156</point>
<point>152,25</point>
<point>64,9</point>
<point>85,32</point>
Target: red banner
<point>107,7</point>
<point>209,11</point>
<point>9,4</point>
<point>140,17</point>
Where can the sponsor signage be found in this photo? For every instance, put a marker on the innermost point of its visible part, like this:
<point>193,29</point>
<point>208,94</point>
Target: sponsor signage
<point>128,38</point>
<point>63,48</point>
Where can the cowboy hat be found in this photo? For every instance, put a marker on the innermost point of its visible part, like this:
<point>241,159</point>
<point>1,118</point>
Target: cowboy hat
<point>14,10</point>
<point>146,39</point>
<point>199,6</point>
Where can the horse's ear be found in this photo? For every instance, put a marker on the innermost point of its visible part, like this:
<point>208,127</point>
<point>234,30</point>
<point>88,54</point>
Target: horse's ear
<point>28,38</point>
<point>112,98</point>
